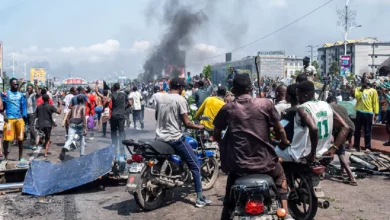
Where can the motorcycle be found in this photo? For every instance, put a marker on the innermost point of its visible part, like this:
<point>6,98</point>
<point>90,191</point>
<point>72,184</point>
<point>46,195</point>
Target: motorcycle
<point>256,195</point>
<point>306,194</point>
<point>154,168</point>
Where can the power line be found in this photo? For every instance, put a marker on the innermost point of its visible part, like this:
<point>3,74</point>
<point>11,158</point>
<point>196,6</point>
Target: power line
<point>272,33</point>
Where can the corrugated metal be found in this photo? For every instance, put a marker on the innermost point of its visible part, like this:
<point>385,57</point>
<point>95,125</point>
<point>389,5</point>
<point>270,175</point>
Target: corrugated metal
<point>45,178</point>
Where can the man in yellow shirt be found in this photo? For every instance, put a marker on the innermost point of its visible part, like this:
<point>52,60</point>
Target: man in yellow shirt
<point>367,108</point>
<point>210,107</point>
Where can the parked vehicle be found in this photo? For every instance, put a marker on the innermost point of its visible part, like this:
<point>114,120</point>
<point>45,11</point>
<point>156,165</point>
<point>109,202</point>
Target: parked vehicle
<point>154,169</point>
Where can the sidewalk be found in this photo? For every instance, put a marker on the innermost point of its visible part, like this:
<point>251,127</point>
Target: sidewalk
<point>379,136</point>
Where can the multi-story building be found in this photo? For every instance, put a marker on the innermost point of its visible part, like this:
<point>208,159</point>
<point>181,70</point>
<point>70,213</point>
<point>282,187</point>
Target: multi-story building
<point>292,64</point>
<point>367,54</point>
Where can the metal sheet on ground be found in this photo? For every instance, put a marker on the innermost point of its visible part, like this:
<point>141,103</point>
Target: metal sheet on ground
<point>45,178</point>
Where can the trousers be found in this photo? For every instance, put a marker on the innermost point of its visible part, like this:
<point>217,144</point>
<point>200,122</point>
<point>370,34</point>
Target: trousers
<point>363,120</point>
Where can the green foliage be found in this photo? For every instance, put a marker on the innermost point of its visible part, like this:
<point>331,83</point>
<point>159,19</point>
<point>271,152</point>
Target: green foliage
<point>207,71</point>
<point>297,72</point>
<point>317,66</point>
<point>334,69</point>
<point>5,81</point>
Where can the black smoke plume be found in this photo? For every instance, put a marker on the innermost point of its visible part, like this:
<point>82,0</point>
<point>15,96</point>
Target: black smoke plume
<point>181,23</point>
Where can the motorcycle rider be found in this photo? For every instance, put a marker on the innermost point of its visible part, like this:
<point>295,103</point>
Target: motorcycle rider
<point>171,111</point>
<point>246,147</point>
<point>313,127</point>
<point>211,107</point>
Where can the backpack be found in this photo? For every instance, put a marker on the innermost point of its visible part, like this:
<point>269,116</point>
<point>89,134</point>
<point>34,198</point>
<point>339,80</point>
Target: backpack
<point>90,122</point>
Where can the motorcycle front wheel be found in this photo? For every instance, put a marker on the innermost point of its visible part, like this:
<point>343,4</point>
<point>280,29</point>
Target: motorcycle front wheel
<point>148,196</point>
<point>209,171</point>
<point>302,203</point>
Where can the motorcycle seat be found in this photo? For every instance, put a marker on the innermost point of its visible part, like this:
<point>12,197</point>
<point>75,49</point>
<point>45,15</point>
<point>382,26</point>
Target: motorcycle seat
<point>255,180</point>
<point>161,147</point>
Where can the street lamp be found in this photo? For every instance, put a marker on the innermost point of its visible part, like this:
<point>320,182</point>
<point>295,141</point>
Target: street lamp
<point>346,37</point>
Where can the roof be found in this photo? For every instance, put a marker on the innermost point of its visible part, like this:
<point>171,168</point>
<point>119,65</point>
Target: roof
<point>365,40</point>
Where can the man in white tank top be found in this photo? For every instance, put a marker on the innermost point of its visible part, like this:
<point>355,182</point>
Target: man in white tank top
<point>313,126</point>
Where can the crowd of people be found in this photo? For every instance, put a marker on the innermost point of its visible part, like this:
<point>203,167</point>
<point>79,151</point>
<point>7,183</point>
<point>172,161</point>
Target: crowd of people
<point>306,127</point>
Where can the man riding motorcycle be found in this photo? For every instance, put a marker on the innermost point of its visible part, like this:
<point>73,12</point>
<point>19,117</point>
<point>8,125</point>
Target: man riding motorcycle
<point>246,148</point>
<point>313,125</point>
<point>171,111</point>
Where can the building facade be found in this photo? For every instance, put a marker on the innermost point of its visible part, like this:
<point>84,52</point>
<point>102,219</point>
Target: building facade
<point>367,55</point>
<point>292,64</point>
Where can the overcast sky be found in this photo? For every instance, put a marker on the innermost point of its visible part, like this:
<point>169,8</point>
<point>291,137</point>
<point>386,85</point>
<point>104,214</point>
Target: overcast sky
<point>94,39</point>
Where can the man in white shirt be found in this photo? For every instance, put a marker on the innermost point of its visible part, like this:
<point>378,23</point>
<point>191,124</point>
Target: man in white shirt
<point>67,99</point>
<point>155,96</point>
<point>136,99</point>
<point>281,103</point>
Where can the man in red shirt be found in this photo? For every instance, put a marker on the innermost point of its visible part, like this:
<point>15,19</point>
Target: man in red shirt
<point>90,107</point>
<point>40,100</point>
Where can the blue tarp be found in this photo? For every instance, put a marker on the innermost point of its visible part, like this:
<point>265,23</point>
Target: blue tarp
<point>45,178</point>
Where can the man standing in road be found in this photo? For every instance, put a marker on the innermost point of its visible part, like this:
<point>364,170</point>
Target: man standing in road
<point>203,92</point>
<point>136,98</point>
<point>16,109</point>
<point>77,125</point>
<point>188,79</point>
<point>31,98</point>
<point>367,108</point>
<point>44,114</point>
<point>90,108</point>
<point>67,99</point>
<point>171,111</point>
<point>118,104</point>
<point>230,78</point>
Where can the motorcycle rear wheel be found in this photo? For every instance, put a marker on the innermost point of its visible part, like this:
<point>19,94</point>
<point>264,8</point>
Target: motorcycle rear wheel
<point>144,198</point>
<point>306,196</point>
<point>210,173</point>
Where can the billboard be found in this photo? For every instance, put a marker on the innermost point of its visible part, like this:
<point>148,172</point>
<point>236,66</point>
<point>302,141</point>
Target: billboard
<point>272,53</point>
<point>74,81</point>
<point>345,65</point>
<point>38,74</point>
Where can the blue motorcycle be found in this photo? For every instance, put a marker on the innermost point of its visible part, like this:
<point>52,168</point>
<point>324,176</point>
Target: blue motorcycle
<point>154,169</point>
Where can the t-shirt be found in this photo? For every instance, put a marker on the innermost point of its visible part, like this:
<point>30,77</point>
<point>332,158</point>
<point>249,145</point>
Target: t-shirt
<point>246,147</point>
<point>40,101</point>
<point>322,114</point>
<point>367,101</point>
<point>169,109</point>
<point>201,94</point>
<point>136,97</point>
<point>67,100</point>
<point>15,104</point>
<point>165,86</point>
<point>118,104</point>
<point>91,108</point>
<point>73,101</point>
<point>31,103</point>
<point>44,115</point>
<point>210,108</point>
<point>281,106</point>
<point>144,97</point>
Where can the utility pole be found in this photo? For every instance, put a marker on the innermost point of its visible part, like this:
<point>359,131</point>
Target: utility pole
<point>346,27</point>
<point>312,47</point>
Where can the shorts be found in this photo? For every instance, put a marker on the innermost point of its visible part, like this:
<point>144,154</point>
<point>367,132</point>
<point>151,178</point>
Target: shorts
<point>14,128</point>
<point>47,132</point>
<point>98,112</point>
<point>388,117</point>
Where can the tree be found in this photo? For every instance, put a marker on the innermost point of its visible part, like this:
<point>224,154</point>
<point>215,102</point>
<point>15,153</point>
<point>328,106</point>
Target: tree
<point>297,72</point>
<point>5,81</point>
<point>207,71</point>
<point>317,66</point>
<point>334,69</point>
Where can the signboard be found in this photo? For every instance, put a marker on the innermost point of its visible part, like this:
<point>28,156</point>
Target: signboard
<point>74,81</point>
<point>272,53</point>
<point>345,65</point>
<point>38,74</point>
<point>1,60</point>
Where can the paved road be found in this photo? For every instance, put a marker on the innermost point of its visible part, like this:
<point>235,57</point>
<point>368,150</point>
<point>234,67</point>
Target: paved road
<point>367,201</point>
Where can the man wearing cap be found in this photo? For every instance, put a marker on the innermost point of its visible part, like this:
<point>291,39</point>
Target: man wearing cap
<point>211,107</point>
<point>171,111</point>
<point>67,99</point>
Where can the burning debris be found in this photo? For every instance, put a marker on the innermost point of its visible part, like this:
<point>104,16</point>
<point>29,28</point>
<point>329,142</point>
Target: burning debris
<point>169,55</point>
